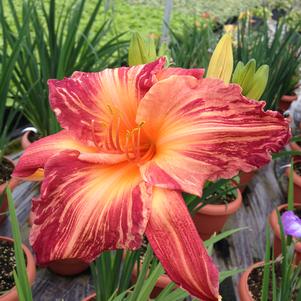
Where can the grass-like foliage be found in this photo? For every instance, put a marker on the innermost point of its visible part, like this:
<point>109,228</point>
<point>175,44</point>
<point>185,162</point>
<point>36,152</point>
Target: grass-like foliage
<point>57,44</point>
<point>20,273</point>
<point>279,49</point>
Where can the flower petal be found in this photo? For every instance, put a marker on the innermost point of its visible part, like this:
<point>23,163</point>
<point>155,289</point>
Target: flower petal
<point>37,154</point>
<point>86,103</point>
<point>165,73</point>
<point>87,208</point>
<point>175,241</point>
<point>291,224</point>
<point>205,130</point>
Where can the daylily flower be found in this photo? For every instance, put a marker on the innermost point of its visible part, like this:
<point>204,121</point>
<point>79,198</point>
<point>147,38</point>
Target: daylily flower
<point>291,224</point>
<point>133,140</point>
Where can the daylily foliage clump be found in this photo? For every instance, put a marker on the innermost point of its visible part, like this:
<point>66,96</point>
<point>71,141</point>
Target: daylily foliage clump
<point>133,140</point>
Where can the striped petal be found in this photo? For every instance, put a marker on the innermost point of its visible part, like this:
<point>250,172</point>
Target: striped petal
<point>87,208</point>
<point>36,155</point>
<point>205,130</point>
<point>86,103</point>
<point>165,73</point>
<point>176,243</point>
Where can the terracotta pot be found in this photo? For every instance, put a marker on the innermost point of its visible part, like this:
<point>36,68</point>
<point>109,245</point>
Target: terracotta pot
<point>89,297</point>
<point>273,219</point>
<point>294,146</point>
<point>12,295</point>
<point>243,288</point>
<point>13,182</point>
<point>245,179</point>
<point>297,185</point>
<point>25,142</point>
<point>67,267</point>
<point>212,218</point>
<point>286,100</point>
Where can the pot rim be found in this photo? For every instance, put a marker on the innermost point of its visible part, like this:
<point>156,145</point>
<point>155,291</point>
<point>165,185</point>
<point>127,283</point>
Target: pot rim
<point>243,281</point>
<point>88,298</point>
<point>289,98</point>
<point>273,218</point>
<point>222,209</point>
<point>30,268</point>
<point>295,146</point>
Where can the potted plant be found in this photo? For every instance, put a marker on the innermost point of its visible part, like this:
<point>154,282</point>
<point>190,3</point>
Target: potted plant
<point>17,264</point>
<point>6,259</point>
<point>273,220</point>
<point>219,200</point>
<point>272,279</point>
<point>139,275</point>
<point>280,51</point>
<point>7,115</point>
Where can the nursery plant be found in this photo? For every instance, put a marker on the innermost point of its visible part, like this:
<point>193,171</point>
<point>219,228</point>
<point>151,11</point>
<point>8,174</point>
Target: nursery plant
<point>274,279</point>
<point>193,46</point>
<point>8,57</point>
<point>280,51</point>
<point>57,44</point>
<point>113,271</point>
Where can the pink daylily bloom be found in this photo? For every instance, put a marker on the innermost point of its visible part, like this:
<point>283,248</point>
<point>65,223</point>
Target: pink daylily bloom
<point>133,140</point>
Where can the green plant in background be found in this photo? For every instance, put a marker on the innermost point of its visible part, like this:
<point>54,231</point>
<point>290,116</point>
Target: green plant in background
<point>279,50</point>
<point>113,270</point>
<point>253,82</point>
<point>193,46</point>
<point>282,282</point>
<point>56,45</point>
<point>20,273</point>
<point>8,57</point>
<point>213,193</point>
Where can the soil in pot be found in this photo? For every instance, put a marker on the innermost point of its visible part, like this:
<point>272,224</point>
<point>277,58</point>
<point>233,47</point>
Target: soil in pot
<point>6,169</point>
<point>255,280</point>
<point>7,265</point>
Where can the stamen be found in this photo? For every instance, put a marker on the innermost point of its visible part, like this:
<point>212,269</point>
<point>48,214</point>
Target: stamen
<point>138,144</point>
<point>127,139</point>
<point>149,154</point>
<point>110,135</point>
<point>118,146</point>
<point>94,135</point>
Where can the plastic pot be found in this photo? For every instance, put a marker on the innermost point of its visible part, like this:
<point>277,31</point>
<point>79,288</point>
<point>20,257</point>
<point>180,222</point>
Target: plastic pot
<point>286,100</point>
<point>243,287</point>
<point>273,219</point>
<point>89,297</point>
<point>12,294</point>
<point>212,218</point>
<point>245,179</point>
